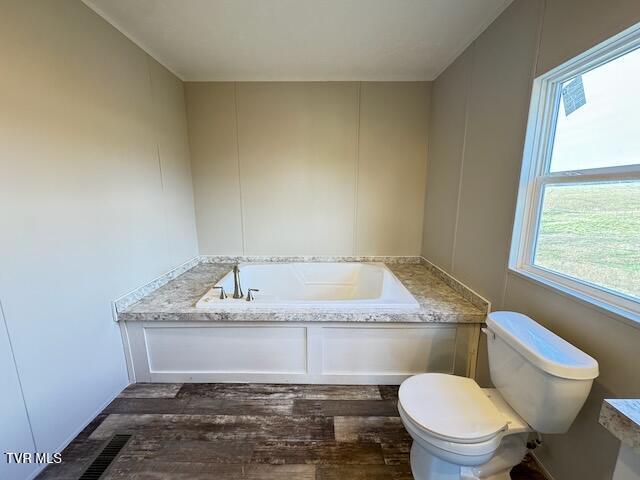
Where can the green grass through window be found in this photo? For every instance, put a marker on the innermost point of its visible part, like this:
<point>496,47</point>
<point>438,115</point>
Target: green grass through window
<point>592,232</point>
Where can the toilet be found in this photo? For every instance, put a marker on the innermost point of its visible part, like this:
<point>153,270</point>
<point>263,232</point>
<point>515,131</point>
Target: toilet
<point>462,431</point>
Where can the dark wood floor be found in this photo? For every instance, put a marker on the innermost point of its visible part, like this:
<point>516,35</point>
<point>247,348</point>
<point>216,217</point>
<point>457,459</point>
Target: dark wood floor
<point>255,431</point>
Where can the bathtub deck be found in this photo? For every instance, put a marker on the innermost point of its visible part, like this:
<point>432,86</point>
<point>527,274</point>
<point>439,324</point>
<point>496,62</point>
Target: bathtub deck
<point>440,302</point>
<point>168,339</point>
<point>249,431</point>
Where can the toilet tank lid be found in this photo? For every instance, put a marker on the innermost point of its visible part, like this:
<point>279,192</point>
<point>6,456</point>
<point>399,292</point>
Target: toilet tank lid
<point>541,347</point>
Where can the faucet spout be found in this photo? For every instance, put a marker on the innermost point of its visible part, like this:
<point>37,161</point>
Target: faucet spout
<point>237,288</point>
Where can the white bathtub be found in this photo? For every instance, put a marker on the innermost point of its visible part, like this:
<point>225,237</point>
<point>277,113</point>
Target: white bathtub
<point>322,286</point>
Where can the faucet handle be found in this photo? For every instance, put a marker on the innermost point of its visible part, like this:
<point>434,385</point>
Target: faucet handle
<point>250,295</point>
<point>223,295</point>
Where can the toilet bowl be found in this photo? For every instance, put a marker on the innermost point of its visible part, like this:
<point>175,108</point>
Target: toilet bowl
<point>463,432</point>
<point>455,424</point>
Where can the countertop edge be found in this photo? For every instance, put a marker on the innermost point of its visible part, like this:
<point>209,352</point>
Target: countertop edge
<point>299,317</point>
<point>619,424</point>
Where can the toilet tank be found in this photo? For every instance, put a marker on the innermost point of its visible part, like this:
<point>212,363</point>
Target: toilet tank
<point>544,378</point>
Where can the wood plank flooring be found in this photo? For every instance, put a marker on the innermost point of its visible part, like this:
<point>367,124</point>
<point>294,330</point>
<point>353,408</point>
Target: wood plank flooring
<point>251,431</point>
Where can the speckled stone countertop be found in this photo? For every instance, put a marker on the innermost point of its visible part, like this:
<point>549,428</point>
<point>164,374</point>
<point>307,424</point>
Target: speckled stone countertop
<point>622,418</point>
<point>175,301</point>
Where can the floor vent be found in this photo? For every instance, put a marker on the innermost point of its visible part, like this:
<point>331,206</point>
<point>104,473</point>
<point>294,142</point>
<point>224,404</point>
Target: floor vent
<point>105,457</point>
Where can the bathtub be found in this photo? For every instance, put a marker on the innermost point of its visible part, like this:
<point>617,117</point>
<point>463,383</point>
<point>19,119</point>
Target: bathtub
<point>322,286</point>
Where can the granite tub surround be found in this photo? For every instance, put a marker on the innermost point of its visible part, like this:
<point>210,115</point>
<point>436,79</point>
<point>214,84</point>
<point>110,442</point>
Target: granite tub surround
<point>439,302</point>
<point>464,291</point>
<point>308,258</point>
<point>168,339</point>
<point>128,299</point>
<point>622,418</point>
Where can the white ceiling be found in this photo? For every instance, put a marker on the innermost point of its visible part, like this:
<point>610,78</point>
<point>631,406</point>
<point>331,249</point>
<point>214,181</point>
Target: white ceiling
<point>302,39</point>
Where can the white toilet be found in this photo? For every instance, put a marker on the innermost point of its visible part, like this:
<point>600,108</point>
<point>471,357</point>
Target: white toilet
<point>462,431</point>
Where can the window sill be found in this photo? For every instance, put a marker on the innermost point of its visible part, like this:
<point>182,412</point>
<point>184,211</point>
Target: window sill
<point>618,313</point>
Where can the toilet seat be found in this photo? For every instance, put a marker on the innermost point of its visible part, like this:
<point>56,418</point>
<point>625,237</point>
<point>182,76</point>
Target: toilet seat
<point>456,419</point>
<point>451,409</point>
<point>468,450</point>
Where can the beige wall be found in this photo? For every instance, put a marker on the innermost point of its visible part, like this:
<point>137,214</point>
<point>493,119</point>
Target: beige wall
<point>590,21</point>
<point>447,122</point>
<point>477,126</point>
<point>297,150</point>
<point>214,165</point>
<point>315,168</point>
<point>95,200</point>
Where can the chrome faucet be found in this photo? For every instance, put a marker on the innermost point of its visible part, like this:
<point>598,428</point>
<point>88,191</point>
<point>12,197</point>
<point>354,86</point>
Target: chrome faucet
<point>237,288</point>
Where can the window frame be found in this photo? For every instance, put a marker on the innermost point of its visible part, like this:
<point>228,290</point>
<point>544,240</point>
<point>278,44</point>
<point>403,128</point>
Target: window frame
<point>535,174</point>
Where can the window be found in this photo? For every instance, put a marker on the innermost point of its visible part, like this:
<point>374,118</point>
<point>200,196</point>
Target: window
<point>577,225</point>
